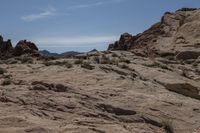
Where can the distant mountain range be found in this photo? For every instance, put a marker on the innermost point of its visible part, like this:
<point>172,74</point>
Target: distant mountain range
<point>68,53</point>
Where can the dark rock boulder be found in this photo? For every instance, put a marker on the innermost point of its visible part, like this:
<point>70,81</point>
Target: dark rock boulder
<point>26,47</point>
<point>5,47</point>
<point>22,47</point>
<point>123,43</point>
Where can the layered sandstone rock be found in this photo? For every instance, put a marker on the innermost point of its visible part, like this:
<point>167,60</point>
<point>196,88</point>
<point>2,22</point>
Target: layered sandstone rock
<point>176,33</point>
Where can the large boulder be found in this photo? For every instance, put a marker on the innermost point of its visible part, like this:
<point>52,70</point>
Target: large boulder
<point>5,47</point>
<point>26,47</point>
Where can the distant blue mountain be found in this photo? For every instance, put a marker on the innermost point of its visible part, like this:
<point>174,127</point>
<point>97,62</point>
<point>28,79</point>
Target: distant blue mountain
<point>69,53</point>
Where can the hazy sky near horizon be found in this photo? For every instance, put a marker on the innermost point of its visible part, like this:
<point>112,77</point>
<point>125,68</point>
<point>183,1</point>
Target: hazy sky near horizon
<point>81,25</point>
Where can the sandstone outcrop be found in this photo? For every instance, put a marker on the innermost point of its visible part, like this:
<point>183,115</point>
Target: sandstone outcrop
<point>176,33</point>
<point>23,47</point>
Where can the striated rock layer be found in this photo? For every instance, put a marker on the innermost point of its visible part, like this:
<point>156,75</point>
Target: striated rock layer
<point>176,34</point>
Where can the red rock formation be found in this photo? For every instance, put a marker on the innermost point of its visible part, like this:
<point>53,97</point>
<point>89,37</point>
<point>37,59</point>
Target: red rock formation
<point>25,47</point>
<point>175,33</point>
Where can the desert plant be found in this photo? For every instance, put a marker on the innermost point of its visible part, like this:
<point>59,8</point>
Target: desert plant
<point>58,63</point>
<point>27,59</point>
<point>114,55</point>
<point>87,65</point>
<point>125,60</point>
<point>65,63</point>
<point>96,59</point>
<point>105,60</point>
<point>47,63</point>
<point>124,66</point>
<point>79,61</point>
<point>68,65</point>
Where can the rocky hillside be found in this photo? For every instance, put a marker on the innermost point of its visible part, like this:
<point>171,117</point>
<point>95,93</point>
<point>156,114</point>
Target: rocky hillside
<point>23,47</point>
<point>149,83</point>
<point>177,34</point>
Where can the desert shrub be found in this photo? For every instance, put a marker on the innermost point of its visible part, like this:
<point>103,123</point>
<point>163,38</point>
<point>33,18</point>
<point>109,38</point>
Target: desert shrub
<point>87,65</point>
<point>48,58</point>
<point>125,60</point>
<point>58,63</point>
<point>105,60</point>
<point>77,62</point>
<point>96,59</point>
<point>27,59</point>
<point>47,63</point>
<point>124,66</point>
<point>114,55</point>
<point>2,70</point>
<point>63,63</point>
<point>68,65</point>
<point>7,81</point>
<point>114,61</point>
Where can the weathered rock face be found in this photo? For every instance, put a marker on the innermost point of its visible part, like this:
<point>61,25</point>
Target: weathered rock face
<point>22,47</point>
<point>175,33</point>
<point>124,42</point>
<point>25,47</point>
<point>5,46</point>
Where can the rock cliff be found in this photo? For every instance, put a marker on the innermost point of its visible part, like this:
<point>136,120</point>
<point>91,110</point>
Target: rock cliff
<point>176,34</point>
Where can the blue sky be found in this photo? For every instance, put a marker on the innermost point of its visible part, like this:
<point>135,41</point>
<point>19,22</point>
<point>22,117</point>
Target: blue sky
<point>80,25</point>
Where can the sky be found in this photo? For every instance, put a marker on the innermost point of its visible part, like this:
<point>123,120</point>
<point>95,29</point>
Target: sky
<point>80,25</point>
